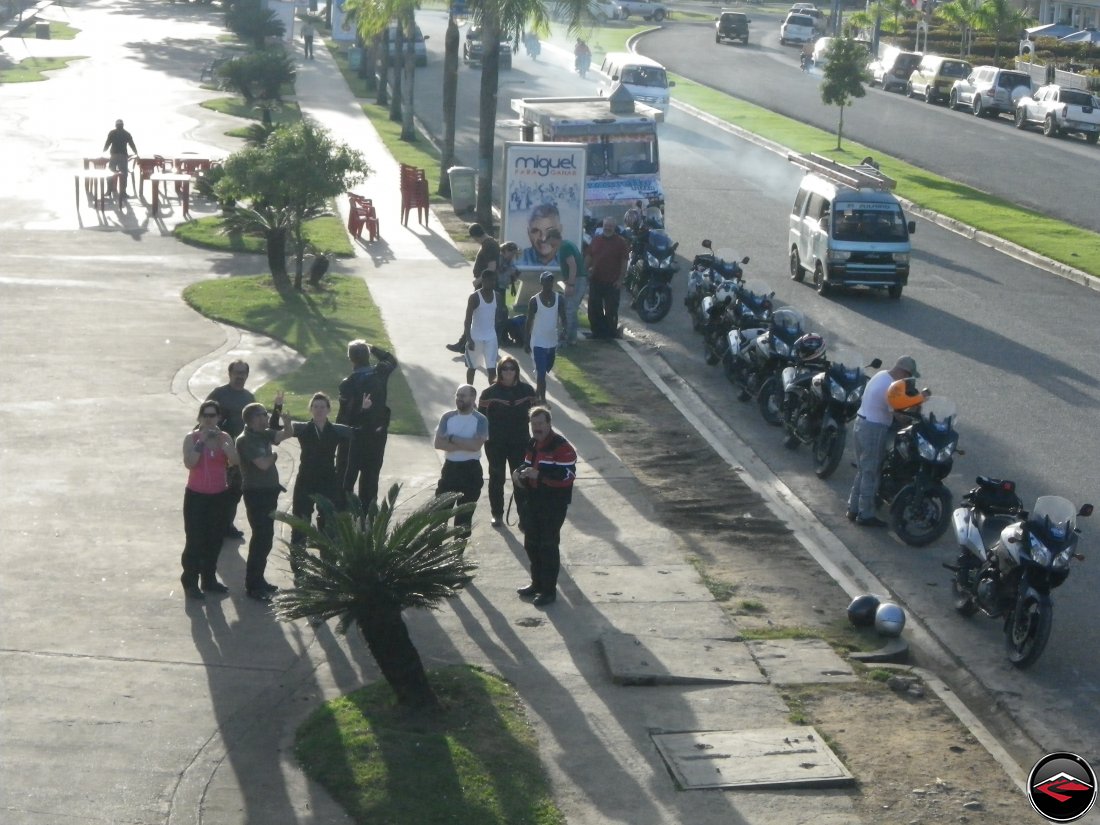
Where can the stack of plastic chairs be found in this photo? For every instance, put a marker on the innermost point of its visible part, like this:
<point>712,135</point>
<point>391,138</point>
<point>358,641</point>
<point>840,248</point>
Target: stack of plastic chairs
<point>414,194</point>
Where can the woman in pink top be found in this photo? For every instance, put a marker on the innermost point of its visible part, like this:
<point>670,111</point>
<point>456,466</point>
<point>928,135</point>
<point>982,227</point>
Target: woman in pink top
<point>207,452</point>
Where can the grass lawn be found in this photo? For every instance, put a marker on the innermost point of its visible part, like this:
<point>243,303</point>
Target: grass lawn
<point>318,324</point>
<point>281,113</point>
<point>32,68</point>
<point>476,763</point>
<point>326,233</point>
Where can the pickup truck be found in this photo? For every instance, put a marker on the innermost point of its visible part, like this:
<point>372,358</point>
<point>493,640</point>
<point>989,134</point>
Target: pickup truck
<point>1060,110</point>
<point>645,10</point>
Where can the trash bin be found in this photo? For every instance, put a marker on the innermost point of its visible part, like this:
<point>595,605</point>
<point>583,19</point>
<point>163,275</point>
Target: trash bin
<point>355,58</point>
<point>42,31</point>
<point>463,187</point>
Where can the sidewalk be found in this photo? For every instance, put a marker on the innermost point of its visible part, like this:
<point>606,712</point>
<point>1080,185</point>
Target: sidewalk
<point>123,703</point>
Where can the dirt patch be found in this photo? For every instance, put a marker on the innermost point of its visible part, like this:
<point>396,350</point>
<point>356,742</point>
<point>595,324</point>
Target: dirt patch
<point>913,761</point>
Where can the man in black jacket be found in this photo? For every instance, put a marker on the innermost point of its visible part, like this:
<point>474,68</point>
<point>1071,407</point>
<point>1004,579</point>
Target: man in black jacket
<point>362,460</point>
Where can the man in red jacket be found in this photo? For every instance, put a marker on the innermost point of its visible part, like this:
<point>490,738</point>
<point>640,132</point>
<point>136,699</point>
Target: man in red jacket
<point>546,476</point>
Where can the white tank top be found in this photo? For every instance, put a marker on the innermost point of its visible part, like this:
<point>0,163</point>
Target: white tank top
<point>544,332</point>
<point>483,325</point>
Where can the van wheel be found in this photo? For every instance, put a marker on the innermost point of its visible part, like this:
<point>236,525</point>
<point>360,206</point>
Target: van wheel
<point>659,15</point>
<point>929,94</point>
<point>894,291</point>
<point>717,38</point>
<point>797,272</point>
<point>979,108</point>
<point>819,281</point>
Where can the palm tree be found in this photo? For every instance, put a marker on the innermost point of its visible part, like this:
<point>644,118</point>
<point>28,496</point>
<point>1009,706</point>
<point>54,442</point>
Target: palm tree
<point>450,103</point>
<point>961,14</point>
<point>899,9</point>
<point>369,569</point>
<point>1001,19</point>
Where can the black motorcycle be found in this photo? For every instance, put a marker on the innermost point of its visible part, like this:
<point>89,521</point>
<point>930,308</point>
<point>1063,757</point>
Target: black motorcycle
<point>917,462</point>
<point>755,356</point>
<point>733,306</point>
<point>1010,560</point>
<point>819,400</point>
<point>781,345</point>
<point>649,273</point>
<point>708,271</point>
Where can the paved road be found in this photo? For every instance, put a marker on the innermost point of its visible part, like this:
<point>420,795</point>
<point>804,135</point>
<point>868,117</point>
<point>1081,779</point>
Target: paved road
<point>1009,343</point>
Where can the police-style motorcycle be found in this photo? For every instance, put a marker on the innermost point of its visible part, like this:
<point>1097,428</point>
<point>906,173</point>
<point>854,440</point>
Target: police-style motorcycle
<point>650,271</point>
<point>755,353</point>
<point>708,272</point>
<point>735,305</point>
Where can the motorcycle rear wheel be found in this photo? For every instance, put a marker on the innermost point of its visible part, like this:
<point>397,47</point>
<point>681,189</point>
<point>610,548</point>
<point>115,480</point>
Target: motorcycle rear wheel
<point>829,450</point>
<point>920,520</point>
<point>1028,630</point>
<point>653,303</point>
<point>770,401</point>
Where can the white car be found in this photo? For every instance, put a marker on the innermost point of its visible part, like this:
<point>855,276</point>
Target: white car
<point>797,28</point>
<point>640,8</point>
<point>604,10</point>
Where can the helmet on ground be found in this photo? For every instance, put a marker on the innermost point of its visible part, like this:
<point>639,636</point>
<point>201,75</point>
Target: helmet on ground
<point>861,611</point>
<point>810,347</point>
<point>903,394</point>
<point>889,619</point>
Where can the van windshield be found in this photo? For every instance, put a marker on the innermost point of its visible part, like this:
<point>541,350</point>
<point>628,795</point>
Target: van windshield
<point>644,76</point>
<point>883,223</point>
<point>625,156</point>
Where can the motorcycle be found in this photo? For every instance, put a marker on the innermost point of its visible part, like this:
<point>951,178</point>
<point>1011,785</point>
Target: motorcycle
<point>1009,561</point>
<point>818,403</point>
<point>707,272</point>
<point>917,462</point>
<point>733,306</point>
<point>754,353</point>
<point>532,45</point>
<point>781,343</point>
<point>582,59</point>
<point>650,271</point>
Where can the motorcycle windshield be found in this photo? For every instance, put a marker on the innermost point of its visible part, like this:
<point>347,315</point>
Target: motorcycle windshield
<point>846,364</point>
<point>1055,516</point>
<point>787,323</point>
<point>659,244</point>
<point>940,413</point>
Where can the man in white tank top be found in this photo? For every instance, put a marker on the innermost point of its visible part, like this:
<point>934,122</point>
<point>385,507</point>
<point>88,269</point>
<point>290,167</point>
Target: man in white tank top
<point>481,328</point>
<point>461,433</point>
<point>545,311</point>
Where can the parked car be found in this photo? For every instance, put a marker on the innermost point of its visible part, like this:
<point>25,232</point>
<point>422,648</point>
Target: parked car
<point>472,49</point>
<point>892,70</point>
<point>934,77</point>
<point>389,40</point>
<point>820,47</point>
<point>732,25</point>
<point>821,22</point>
<point>604,10</point>
<point>1060,110</point>
<point>989,90</point>
<point>797,28</point>
<point>643,9</point>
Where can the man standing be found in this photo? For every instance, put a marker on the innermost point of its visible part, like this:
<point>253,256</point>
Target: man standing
<point>307,38</point>
<point>607,258</point>
<point>545,311</point>
<point>261,492</point>
<point>119,140</point>
<point>505,404</point>
<point>546,476</point>
<point>319,439</point>
<point>461,434</point>
<point>488,256</point>
<point>232,398</point>
<point>362,459</point>
<point>573,271</point>
<point>870,433</point>
<point>480,328</point>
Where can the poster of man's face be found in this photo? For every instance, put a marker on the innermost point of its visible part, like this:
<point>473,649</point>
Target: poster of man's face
<point>544,190</point>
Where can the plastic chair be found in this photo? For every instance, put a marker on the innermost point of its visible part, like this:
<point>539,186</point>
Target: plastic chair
<point>143,169</point>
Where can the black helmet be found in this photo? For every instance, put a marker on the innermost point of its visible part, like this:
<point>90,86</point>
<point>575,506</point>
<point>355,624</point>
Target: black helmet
<point>861,612</point>
<point>810,347</point>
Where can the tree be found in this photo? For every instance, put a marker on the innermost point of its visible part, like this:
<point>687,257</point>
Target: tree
<point>1001,19</point>
<point>845,73</point>
<point>450,104</point>
<point>250,21</point>
<point>287,181</point>
<point>899,10</point>
<point>367,571</point>
<point>373,19</point>
<point>962,15</point>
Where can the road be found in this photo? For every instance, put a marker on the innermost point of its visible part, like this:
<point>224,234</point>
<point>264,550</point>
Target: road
<point>1011,344</point>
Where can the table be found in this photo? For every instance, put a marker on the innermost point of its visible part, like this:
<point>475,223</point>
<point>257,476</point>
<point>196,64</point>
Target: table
<point>98,183</point>
<point>183,188</point>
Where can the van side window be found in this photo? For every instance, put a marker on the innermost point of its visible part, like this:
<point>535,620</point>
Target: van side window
<point>800,201</point>
<point>819,207</point>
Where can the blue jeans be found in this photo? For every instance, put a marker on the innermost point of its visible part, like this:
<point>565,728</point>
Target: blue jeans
<point>870,441</point>
<point>572,305</point>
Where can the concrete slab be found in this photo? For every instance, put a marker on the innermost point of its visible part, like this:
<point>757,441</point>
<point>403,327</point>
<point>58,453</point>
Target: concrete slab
<point>764,758</point>
<point>682,620</point>
<point>800,661</point>
<point>664,583</point>
<point>658,660</point>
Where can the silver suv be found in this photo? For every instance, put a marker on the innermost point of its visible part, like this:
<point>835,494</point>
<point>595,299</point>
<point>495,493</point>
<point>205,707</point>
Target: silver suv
<point>988,90</point>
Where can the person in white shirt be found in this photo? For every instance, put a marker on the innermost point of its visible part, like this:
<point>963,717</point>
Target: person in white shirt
<point>461,434</point>
<point>870,434</point>
<point>545,312</point>
<point>480,329</point>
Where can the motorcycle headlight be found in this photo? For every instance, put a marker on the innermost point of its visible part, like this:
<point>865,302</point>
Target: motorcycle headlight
<point>651,259</point>
<point>837,392</point>
<point>855,396</point>
<point>1061,561</point>
<point>782,348</point>
<point>838,255</point>
<point>925,448</point>
<point>1039,553</point>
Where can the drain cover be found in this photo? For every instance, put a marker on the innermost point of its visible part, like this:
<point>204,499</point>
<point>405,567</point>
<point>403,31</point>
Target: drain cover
<point>761,758</point>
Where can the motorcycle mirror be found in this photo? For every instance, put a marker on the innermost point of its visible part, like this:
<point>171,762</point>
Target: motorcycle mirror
<point>1079,556</point>
<point>875,364</point>
<point>706,243</point>
<point>745,260</point>
<point>1085,511</point>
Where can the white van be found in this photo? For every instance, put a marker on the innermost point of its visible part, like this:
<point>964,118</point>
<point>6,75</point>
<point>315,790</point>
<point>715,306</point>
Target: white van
<point>847,228</point>
<point>646,79</point>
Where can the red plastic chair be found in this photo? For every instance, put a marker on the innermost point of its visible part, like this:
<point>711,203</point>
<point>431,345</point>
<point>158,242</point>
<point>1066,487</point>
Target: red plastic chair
<point>144,168</point>
<point>414,194</point>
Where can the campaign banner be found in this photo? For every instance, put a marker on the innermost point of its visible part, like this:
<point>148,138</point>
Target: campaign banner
<point>343,25</point>
<point>543,191</point>
<point>623,190</point>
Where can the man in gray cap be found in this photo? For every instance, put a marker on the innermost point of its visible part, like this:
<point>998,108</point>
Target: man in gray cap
<point>870,433</point>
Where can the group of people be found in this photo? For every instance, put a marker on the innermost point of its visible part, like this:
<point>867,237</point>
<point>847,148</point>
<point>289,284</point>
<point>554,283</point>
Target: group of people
<point>230,455</point>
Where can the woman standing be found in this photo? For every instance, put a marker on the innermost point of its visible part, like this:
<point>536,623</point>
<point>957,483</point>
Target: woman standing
<point>505,403</point>
<point>207,453</point>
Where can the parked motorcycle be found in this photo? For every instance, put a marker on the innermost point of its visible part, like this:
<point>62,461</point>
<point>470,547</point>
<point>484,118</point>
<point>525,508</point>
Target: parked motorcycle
<point>1010,560</point>
<point>707,272</point>
<point>917,462</point>
<point>754,353</point>
<point>820,398</point>
<point>734,306</point>
<point>781,342</point>
<point>650,271</point>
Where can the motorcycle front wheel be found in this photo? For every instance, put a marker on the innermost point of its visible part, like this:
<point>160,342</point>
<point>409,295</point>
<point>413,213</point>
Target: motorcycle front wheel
<point>770,401</point>
<point>654,303</point>
<point>960,585</point>
<point>920,519</point>
<point>1028,629</point>
<point>828,450</point>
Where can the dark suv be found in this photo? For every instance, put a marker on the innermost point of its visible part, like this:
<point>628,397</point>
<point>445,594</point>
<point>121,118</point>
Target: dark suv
<point>732,25</point>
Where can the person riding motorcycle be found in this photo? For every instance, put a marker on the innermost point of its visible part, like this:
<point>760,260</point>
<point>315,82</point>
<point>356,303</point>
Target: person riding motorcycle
<point>582,57</point>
